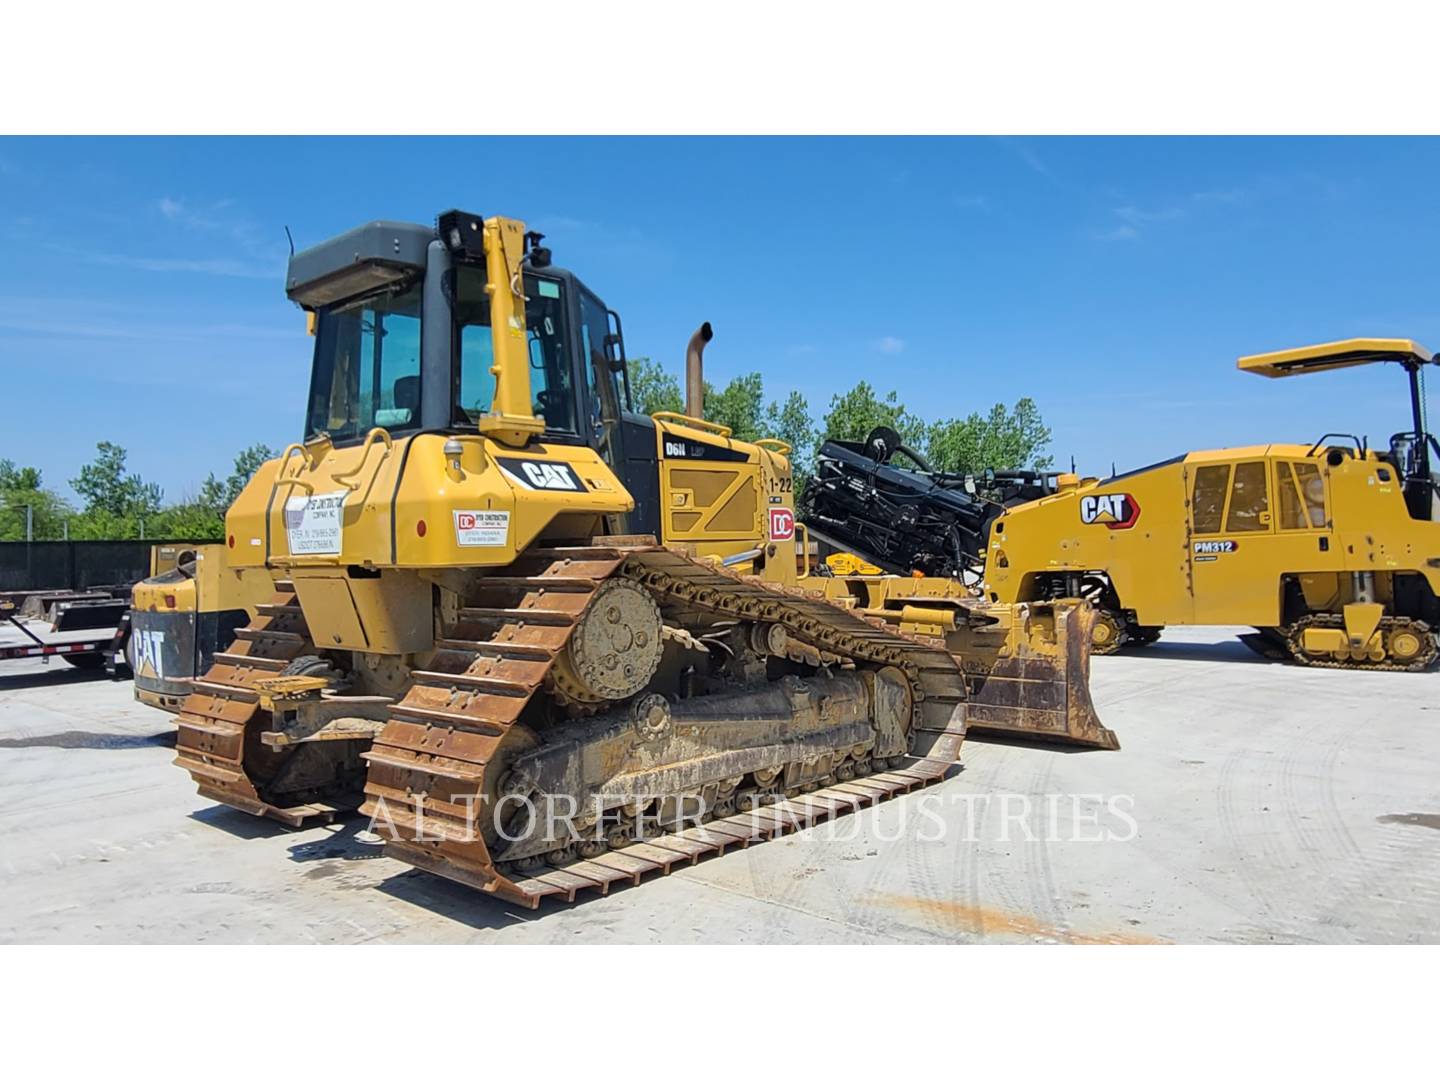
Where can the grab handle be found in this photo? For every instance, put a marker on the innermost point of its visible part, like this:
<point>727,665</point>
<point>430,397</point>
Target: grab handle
<point>691,421</point>
<point>279,480</point>
<point>375,433</point>
<point>804,530</point>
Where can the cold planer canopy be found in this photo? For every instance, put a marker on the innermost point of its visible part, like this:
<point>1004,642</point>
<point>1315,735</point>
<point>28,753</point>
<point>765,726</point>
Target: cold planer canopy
<point>1410,451</point>
<point>1351,352</point>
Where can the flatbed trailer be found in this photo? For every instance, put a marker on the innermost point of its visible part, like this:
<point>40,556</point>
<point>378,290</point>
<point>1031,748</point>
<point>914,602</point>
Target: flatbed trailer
<point>100,646</point>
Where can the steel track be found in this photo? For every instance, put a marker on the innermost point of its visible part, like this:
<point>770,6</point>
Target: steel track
<point>434,764</point>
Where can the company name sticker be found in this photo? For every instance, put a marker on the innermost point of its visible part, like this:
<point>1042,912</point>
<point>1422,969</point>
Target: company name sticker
<point>482,528</point>
<point>312,523</point>
<point>782,523</point>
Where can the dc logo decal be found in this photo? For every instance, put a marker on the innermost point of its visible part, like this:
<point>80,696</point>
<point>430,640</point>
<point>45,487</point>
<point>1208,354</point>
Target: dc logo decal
<point>782,523</point>
<point>1117,511</point>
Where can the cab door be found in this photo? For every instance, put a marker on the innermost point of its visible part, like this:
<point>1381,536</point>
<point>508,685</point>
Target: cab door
<point>1234,573</point>
<point>625,443</point>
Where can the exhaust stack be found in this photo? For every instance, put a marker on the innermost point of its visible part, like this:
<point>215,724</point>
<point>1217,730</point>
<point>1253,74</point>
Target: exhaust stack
<point>695,371</point>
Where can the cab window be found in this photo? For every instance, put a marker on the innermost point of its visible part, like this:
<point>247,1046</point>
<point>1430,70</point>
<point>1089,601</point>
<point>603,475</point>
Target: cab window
<point>1207,502</point>
<point>1249,499</point>
<point>473,384</point>
<point>603,384</point>
<point>473,389</point>
<point>1287,495</point>
<point>367,367</point>
<point>1312,492</point>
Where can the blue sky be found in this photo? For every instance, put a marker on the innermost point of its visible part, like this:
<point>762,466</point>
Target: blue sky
<point>1113,280</point>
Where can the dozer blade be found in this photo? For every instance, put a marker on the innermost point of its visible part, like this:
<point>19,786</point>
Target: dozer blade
<point>1029,675</point>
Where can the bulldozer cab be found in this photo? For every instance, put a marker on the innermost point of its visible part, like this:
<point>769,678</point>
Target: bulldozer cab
<point>1409,451</point>
<point>406,340</point>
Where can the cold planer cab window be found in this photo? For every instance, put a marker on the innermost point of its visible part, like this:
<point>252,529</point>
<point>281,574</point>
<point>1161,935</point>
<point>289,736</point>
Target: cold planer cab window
<point>1249,499</point>
<point>550,371</point>
<point>367,366</point>
<point>1207,503</point>
<point>1302,494</point>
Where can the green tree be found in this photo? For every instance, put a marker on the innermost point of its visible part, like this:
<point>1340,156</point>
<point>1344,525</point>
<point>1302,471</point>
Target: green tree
<point>217,495</point>
<point>791,420</point>
<point>110,491</point>
<point>857,412</point>
<point>740,406</point>
<point>203,518</point>
<point>21,487</point>
<point>1005,439</point>
<point>652,388</point>
<point>187,521</point>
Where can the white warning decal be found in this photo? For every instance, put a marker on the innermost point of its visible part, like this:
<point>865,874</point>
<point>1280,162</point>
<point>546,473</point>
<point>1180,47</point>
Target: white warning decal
<point>482,528</point>
<point>312,523</point>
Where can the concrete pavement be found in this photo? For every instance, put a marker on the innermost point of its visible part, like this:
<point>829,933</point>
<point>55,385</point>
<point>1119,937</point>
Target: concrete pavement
<point>1250,802</point>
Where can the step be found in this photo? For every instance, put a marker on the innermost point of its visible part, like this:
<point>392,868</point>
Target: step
<point>503,687</point>
<point>536,616</point>
<point>555,583</point>
<point>245,633</point>
<point>264,663</point>
<point>450,771</point>
<point>450,718</point>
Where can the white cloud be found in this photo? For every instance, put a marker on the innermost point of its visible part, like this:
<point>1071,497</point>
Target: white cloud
<point>152,331</point>
<point>1224,196</point>
<point>1134,215</point>
<point>1025,153</point>
<point>1120,232</point>
<point>221,267</point>
<point>243,234</point>
<point>891,345</point>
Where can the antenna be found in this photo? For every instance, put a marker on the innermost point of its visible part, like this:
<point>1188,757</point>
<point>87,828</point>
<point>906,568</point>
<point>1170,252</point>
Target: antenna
<point>1072,462</point>
<point>291,239</point>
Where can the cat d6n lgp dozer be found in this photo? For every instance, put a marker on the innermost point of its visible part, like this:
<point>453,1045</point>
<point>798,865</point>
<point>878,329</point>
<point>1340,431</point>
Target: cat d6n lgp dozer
<point>559,644</point>
<point>1331,550</point>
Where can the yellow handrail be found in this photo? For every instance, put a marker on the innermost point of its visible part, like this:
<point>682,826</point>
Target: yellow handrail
<point>780,446</point>
<point>296,481</point>
<point>703,425</point>
<point>374,433</point>
<point>801,527</point>
<point>304,453</point>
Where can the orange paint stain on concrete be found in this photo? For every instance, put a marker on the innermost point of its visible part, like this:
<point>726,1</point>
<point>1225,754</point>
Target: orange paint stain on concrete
<point>988,922</point>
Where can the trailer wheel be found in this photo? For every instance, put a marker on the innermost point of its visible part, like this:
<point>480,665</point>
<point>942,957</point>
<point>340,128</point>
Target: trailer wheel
<point>85,661</point>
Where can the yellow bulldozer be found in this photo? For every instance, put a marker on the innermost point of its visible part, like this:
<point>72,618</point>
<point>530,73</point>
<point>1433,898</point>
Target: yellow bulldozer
<point>1331,549</point>
<point>186,611</point>
<point>553,644</point>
